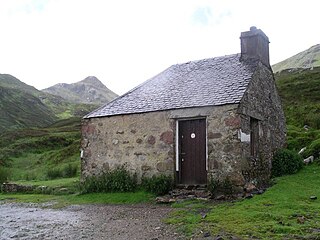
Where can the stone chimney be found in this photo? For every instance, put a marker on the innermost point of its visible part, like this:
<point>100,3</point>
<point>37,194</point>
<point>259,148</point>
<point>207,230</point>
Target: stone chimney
<point>255,44</point>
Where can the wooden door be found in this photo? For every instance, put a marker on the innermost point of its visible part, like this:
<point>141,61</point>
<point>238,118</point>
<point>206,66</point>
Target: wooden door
<point>192,151</point>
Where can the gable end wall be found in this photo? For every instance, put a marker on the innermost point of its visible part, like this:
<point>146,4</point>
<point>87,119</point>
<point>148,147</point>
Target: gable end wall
<point>262,102</point>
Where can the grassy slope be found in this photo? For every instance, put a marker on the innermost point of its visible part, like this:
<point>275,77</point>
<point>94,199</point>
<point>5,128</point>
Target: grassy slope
<point>19,109</point>
<point>272,215</point>
<point>31,153</point>
<point>300,94</point>
<point>306,59</point>
<point>23,106</point>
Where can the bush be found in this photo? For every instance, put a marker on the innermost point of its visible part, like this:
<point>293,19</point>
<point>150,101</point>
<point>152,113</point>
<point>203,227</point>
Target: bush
<point>70,171</point>
<point>221,187</point>
<point>54,173</point>
<point>4,175</point>
<point>117,180</point>
<point>286,162</point>
<point>65,172</point>
<point>159,185</point>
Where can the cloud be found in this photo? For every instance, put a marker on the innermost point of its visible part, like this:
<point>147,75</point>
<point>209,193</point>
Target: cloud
<point>202,16</point>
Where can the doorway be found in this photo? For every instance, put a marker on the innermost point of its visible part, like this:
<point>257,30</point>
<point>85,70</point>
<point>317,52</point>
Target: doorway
<point>192,151</point>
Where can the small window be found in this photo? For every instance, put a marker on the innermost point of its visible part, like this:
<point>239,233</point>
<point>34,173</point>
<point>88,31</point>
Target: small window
<point>254,137</point>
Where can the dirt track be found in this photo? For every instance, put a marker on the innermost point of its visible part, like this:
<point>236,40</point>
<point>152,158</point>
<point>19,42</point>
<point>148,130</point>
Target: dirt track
<point>29,221</point>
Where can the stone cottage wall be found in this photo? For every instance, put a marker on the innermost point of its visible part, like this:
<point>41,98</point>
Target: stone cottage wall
<point>144,142</point>
<point>262,102</point>
<point>224,145</point>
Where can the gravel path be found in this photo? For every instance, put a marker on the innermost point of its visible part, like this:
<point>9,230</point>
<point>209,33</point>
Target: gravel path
<point>29,221</point>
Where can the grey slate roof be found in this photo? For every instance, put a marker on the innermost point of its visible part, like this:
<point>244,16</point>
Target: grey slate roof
<point>208,82</point>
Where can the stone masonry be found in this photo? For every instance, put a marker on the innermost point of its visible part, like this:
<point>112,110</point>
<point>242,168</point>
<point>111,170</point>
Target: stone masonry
<point>144,142</point>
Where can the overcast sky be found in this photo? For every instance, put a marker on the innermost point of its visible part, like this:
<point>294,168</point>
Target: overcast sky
<point>125,42</point>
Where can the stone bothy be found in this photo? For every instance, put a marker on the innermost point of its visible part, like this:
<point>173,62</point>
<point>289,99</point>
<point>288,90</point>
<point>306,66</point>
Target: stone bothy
<point>213,118</point>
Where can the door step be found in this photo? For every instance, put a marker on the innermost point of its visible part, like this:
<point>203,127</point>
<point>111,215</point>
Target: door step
<point>192,186</point>
<point>181,194</point>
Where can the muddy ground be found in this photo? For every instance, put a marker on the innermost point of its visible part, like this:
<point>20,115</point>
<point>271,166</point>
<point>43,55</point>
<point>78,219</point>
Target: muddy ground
<point>30,221</point>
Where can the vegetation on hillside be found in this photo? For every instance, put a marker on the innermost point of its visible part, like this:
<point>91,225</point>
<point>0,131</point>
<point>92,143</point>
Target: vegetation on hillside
<point>43,153</point>
<point>23,106</point>
<point>88,91</point>
<point>19,109</point>
<point>306,59</point>
<point>300,94</point>
<point>299,90</point>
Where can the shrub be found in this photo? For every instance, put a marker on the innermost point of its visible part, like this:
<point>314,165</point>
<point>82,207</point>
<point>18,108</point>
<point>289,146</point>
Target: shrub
<point>120,180</point>
<point>4,175</point>
<point>54,173</point>
<point>286,162</point>
<point>65,172</point>
<point>159,185</point>
<point>216,186</point>
<point>117,180</point>
<point>70,170</point>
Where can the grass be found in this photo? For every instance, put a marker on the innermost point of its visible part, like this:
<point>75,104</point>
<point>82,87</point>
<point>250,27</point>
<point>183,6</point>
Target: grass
<point>71,199</point>
<point>276,214</point>
<point>307,58</point>
<point>30,154</point>
<point>72,184</point>
<point>299,92</point>
<point>63,182</point>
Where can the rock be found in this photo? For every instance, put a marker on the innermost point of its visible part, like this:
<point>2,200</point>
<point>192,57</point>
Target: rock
<point>215,135</point>
<point>313,197</point>
<point>302,150</point>
<point>301,220</point>
<point>248,195</point>
<point>308,160</point>
<point>219,238</point>
<point>234,238</point>
<point>167,137</point>
<point>63,190</point>
<point>260,191</point>
<point>220,197</point>
<point>115,141</point>
<point>250,187</point>
<point>151,140</point>
<point>12,187</point>
<point>164,199</point>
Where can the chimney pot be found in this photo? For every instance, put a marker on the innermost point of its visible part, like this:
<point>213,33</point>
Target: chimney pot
<point>253,28</point>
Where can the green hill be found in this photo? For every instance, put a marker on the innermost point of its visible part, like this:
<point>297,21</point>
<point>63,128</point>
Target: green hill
<point>306,59</point>
<point>88,91</point>
<point>299,90</point>
<point>9,81</point>
<point>19,107</point>
<point>23,106</point>
<point>42,153</point>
